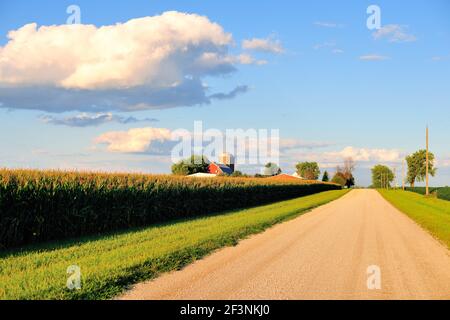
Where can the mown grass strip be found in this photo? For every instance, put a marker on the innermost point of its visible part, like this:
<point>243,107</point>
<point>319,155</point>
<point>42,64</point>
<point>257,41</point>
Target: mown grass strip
<point>431,213</point>
<point>110,263</point>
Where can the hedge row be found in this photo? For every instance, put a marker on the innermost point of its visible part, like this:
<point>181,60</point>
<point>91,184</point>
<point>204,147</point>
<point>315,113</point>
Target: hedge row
<point>442,192</point>
<point>38,206</point>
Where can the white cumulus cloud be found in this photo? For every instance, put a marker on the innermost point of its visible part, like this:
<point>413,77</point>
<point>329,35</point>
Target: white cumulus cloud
<point>365,157</point>
<point>136,140</point>
<point>158,51</point>
<point>145,63</point>
<point>366,154</point>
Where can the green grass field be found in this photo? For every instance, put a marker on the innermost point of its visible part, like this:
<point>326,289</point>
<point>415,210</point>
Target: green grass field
<point>431,213</point>
<point>110,263</point>
<point>441,192</point>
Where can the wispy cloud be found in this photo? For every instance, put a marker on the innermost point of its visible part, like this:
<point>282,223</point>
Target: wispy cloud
<point>331,45</point>
<point>87,120</point>
<point>337,51</point>
<point>289,144</point>
<point>230,95</point>
<point>326,44</point>
<point>440,58</point>
<point>443,161</point>
<point>394,33</point>
<point>248,59</point>
<point>373,57</point>
<point>328,24</point>
<point>263,45</point>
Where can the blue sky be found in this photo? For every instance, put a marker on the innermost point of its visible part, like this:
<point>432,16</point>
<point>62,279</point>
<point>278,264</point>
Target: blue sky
<point>336,88</point>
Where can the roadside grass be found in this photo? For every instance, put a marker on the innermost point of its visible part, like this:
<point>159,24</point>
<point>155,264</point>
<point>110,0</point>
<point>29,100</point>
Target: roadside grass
<point>111,263</point>
<point>440,192</point>
<point>431,213</point>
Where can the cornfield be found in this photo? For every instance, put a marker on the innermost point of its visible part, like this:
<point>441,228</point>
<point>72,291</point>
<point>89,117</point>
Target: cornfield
<point>441,192</point>
<point>38,206</point>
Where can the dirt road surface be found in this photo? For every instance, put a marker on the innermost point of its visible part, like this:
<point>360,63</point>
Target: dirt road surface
<point>324,254</point>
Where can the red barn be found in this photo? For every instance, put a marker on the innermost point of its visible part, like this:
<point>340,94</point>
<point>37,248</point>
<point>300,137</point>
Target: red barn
<point>216,168</point>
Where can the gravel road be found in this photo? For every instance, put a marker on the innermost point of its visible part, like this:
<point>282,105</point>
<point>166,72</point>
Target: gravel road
<point>331,252</point>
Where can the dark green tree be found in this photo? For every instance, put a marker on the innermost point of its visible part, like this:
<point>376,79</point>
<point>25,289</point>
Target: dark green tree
<point>308,170</point>
<point>192,165</point>
<point>350,182</point>
<point>417,166</point>
<point>238,174</point>
<point>339,179</point>
<point>347,172</point>
<point>382,176</point>
<point>325,177</point>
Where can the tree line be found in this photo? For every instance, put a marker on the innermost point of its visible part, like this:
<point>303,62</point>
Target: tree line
<point>383,176</point>
<point>307,170</point>
<point>343,174</point>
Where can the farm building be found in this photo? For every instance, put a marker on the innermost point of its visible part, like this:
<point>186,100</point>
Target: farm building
<point>285,177</point>
<point>226,165</point>
<point>228,160</point>
<point>202,175</point>
<point>217,168</point>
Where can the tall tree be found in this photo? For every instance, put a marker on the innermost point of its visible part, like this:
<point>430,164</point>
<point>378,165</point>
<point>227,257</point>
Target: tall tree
<point>339,179</point>
<point>192,165</point>
<point>325,177</point>
<point>382,176</point>
<point>308,170</point>
<point>347,172</point>
<point>417,166</point>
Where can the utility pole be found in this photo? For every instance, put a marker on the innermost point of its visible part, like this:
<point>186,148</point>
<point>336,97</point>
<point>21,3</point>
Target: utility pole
<point>427,179</point>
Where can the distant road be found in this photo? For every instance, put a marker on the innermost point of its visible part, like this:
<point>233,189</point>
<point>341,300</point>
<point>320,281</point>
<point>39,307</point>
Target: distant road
<point>324,254</point>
